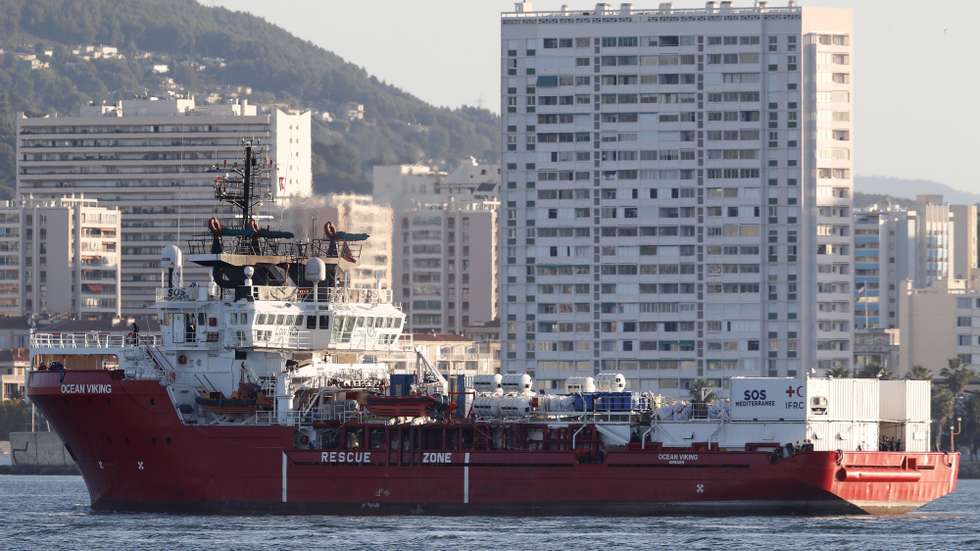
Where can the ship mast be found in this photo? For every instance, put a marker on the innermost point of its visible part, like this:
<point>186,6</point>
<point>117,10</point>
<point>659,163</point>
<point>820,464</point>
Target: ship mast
<point>244,185</point>
<point>241,185</point>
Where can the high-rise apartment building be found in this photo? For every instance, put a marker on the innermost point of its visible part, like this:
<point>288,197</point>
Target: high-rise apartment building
<point>934,240</point>
<point>676,192</point>
<point>60,257</point>
<point>152,159</point>
<point>445,250</point>
<point>885,255</point>
<point>939,323</point>
<point>446,265</point>
<point>964,246</point>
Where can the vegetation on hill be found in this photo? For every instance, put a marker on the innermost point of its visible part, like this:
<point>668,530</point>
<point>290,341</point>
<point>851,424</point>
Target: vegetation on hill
<point>279,67</point>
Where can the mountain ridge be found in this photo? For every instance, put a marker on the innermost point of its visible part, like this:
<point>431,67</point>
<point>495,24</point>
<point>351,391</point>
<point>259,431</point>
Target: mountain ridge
<point>906,188</point>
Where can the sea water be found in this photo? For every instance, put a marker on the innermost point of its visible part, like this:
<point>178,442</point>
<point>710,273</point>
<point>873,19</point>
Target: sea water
<point>52,512</point>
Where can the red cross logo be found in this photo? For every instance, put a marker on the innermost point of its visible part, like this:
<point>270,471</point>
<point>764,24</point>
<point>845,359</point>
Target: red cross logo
<point>790,391</point>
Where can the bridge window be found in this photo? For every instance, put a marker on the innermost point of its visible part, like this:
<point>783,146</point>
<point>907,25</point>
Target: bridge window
<point>260,320</point>
<point>299,321</point>
<point>324,322</point>
<point>310,322</point>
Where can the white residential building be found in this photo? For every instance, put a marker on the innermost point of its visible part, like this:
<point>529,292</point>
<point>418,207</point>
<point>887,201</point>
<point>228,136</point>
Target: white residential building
<point>934,240</point>
<point>445,250</point>
<point>885,254</point>
<point>404,186</point>
<point>355,214</point>
<point>964,246</point>
<point>939,323</point>
<point>445,268</point>
<point>676,192</point>
<point>67,254</point>
<point>152,159</point>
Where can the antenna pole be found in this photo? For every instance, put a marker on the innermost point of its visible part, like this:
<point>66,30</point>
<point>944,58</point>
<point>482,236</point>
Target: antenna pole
<point>247,185</point>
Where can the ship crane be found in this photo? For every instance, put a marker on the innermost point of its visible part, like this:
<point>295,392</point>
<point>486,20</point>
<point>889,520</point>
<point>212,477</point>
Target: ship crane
<point>428,375</point>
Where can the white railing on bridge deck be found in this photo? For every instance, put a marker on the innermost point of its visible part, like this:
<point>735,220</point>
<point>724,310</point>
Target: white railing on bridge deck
<point>287,293</point>
<point>289,339</point>
<point>339,295</point>
<point>91,340</point>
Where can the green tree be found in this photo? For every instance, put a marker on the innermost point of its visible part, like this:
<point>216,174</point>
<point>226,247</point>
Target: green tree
<point>839,372</point>
<point>918,373</point>
<point>971,423</point>
<point>875,371</point>
<point>956,375</point>
<point>943,408</point>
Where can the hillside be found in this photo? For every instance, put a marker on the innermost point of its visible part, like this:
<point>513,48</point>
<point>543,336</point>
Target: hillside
<point>904,188</point>
<point>250,52</point>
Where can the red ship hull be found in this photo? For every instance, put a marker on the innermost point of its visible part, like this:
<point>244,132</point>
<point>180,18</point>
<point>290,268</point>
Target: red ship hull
<point>135,454</point>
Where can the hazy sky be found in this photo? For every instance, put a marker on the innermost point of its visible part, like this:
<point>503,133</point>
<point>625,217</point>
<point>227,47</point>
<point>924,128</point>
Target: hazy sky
<point>916,78</point>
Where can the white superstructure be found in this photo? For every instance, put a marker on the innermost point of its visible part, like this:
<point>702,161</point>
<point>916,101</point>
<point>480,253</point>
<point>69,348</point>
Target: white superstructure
<point>276,332</point>
<point>676,192</point>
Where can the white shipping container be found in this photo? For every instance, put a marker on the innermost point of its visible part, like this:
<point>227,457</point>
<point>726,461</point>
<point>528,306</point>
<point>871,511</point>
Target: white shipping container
<point>918,436</point>
<point>903,401</point>
<point>768,398</point>
<point>843,435</point>
<point>842,399</point>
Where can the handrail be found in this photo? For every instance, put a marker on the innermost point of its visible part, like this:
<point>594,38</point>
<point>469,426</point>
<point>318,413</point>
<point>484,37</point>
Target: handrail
<point>91,340</point>
<point>324,294</point>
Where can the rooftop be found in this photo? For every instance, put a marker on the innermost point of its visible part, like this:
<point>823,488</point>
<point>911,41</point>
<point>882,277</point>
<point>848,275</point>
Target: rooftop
<point>602,9</point>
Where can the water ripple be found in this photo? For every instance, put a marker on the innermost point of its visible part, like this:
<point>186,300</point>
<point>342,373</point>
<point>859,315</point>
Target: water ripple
<point>51,512</point>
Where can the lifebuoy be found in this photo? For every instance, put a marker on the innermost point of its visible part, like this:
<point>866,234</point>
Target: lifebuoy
<point>330,230</point>
<point>253,225</point>
<point>214,225</point>
<point>182,359</point>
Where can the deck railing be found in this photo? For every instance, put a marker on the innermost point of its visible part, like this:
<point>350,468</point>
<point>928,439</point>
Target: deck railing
<point>91,340</point>
<point>323,293</point>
